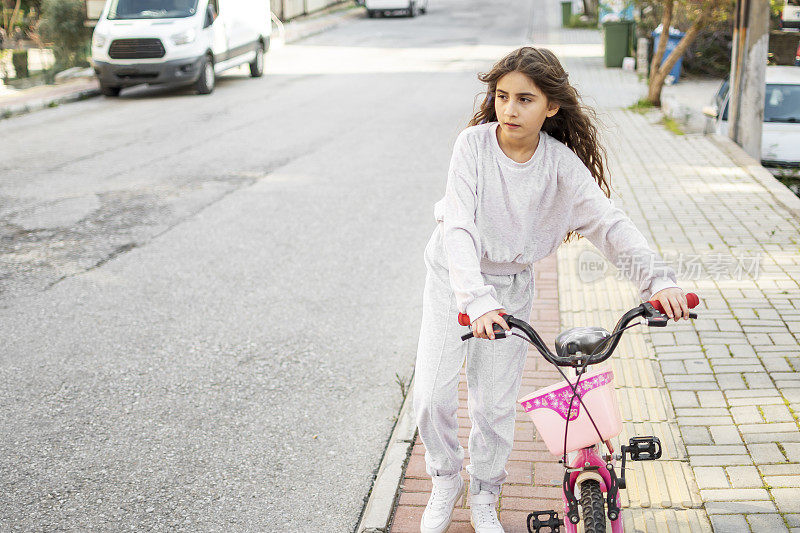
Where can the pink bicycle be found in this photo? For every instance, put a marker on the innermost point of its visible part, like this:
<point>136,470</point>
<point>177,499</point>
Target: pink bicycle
<point>577,415</point>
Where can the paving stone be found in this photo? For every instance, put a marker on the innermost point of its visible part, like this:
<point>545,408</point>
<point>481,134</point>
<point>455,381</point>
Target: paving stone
<point>725,435</point>
<point>782,481</point>
<point>739,507</point>
<point>792,450</point>
<point>746,414</point>
<point>729,449</point>
<point>772,436</point>
<point>773,427</point>
<point>744,477</point>
<point>782,469</point>
<point>787,499</point>
<point>711,477</point>
<point>697,435</point>
<point>767,452</point>
<point>720,460</point>
<point>705,420</point>
<point>684,399</point>
<point>757,380</point>
<point>756,400</point>
<point>773,523</point>
<point>777,413</point>
<point>731,381</point>
<point>682,412</point>
<point>711,399</point>
<point>753,393</point>
<point>729,523</point>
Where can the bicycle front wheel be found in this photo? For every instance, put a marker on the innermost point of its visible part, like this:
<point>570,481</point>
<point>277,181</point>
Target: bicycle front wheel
<point>592,504</point>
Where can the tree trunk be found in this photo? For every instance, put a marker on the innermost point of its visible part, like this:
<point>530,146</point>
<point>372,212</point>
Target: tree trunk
<point>666,22</point>
<point>13,20</point>
<point>658,76</point>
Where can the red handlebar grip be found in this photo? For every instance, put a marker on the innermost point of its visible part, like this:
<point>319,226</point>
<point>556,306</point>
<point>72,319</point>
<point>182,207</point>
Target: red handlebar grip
<point>464,320</point>
<point>691,299</point>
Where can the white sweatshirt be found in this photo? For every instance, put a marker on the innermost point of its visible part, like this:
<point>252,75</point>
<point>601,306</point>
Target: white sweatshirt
<point>500,216</point>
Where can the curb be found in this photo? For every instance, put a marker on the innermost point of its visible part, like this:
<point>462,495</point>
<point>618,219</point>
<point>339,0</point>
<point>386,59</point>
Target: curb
<point>327,21</point>
<point>380,506</point>
<point>780,192</point>
<point>304,28</point>
<point>44,103</point>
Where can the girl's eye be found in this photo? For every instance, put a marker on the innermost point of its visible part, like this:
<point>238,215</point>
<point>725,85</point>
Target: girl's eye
<point>526,100</point>
<point>502,96</point>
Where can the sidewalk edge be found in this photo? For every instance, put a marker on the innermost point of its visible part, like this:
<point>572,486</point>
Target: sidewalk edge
<point>780,192</point>
<point>382,497</point>
<point>22,109</point>
<point>334,18</point>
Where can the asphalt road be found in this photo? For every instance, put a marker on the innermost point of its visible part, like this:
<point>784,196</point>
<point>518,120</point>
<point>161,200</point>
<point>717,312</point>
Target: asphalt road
<point>206,302</point>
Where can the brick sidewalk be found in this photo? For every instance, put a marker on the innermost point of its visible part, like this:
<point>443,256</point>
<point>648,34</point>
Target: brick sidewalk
<point>531,469</point>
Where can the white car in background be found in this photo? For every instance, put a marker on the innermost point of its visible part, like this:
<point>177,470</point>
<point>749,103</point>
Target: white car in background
<point>184,42</point>
<point>780,138</point>
<point>410,7</point>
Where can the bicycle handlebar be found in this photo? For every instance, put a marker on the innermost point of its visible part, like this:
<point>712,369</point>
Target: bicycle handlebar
<point>651,310</point>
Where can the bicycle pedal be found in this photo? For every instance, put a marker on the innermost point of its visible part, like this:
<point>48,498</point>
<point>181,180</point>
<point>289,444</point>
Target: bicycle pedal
<point>544,519</point>
<point>643,448</point>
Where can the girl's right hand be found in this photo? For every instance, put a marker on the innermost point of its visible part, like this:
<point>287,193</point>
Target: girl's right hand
<point>483,326</point>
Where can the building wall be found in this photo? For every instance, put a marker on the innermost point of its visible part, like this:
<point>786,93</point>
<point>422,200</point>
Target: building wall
<point>289,9</point>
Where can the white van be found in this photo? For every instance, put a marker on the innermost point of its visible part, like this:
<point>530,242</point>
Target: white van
<point>184,42</point>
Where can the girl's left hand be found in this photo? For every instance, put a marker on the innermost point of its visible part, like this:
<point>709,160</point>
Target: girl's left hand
<point>673,300</point>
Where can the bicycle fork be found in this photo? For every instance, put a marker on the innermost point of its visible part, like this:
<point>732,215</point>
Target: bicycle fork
<point>589,465</point>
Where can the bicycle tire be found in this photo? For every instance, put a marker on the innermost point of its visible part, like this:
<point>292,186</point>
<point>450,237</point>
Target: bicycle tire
<point>592,505</point>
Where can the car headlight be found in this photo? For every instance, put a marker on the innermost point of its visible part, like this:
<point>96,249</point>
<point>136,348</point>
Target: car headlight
<point>185,37</point>
<point>99,40</point>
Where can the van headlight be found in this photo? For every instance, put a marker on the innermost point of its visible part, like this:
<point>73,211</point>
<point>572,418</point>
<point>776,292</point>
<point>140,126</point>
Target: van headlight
<point>99,40</point>
<point>185,37</point>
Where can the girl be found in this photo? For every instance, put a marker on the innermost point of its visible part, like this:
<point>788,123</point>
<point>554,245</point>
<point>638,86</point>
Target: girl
<point>526,175</point>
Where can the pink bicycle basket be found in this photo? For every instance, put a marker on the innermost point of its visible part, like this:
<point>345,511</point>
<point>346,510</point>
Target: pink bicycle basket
<point>550,407</point>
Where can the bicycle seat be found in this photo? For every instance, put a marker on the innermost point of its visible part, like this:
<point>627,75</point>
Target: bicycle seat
<point>583,339</point>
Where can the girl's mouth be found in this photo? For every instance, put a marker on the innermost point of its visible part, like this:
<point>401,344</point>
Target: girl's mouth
<point>511,126</point>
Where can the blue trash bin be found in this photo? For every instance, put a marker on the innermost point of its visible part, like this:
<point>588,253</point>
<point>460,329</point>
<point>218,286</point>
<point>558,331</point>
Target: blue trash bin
<point>675,37</point>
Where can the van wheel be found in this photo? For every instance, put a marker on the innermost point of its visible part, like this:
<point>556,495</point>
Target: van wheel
<point>371,14</point>
<point>257,66</point>
<point>208,79</point>
<point>108,90</point>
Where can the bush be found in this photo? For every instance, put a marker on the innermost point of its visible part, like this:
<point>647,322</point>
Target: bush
<point>710,53</point>
<point>19,58</point>
<point>579,20</point>
<point>63,24</point>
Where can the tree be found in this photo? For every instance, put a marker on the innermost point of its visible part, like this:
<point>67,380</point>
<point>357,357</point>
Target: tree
<point>699,13</point>
<point>9,20</point>
<point>591,7</point>
<point>63,24</point>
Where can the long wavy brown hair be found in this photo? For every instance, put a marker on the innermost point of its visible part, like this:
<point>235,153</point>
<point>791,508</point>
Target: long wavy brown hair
<point>573,125</point>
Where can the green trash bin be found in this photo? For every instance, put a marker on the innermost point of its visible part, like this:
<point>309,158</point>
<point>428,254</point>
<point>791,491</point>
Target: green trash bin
<point>566,13</point>
<point>617,41</point>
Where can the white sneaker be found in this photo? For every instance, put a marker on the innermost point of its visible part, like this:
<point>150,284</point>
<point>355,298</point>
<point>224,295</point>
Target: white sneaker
<point>483,513</point>
<point>447,492</point>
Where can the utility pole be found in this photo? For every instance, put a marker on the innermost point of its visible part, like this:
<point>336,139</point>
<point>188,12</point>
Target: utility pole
<point>748,70</point>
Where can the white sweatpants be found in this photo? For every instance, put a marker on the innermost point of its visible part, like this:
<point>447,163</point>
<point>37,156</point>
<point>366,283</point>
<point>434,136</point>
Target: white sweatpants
<point>494,373</point>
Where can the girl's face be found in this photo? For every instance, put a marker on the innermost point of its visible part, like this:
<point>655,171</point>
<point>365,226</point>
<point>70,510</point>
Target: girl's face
<point>520,106</point>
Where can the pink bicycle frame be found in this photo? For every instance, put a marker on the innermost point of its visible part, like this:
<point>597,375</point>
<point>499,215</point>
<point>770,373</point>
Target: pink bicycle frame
<point>589,456</point>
